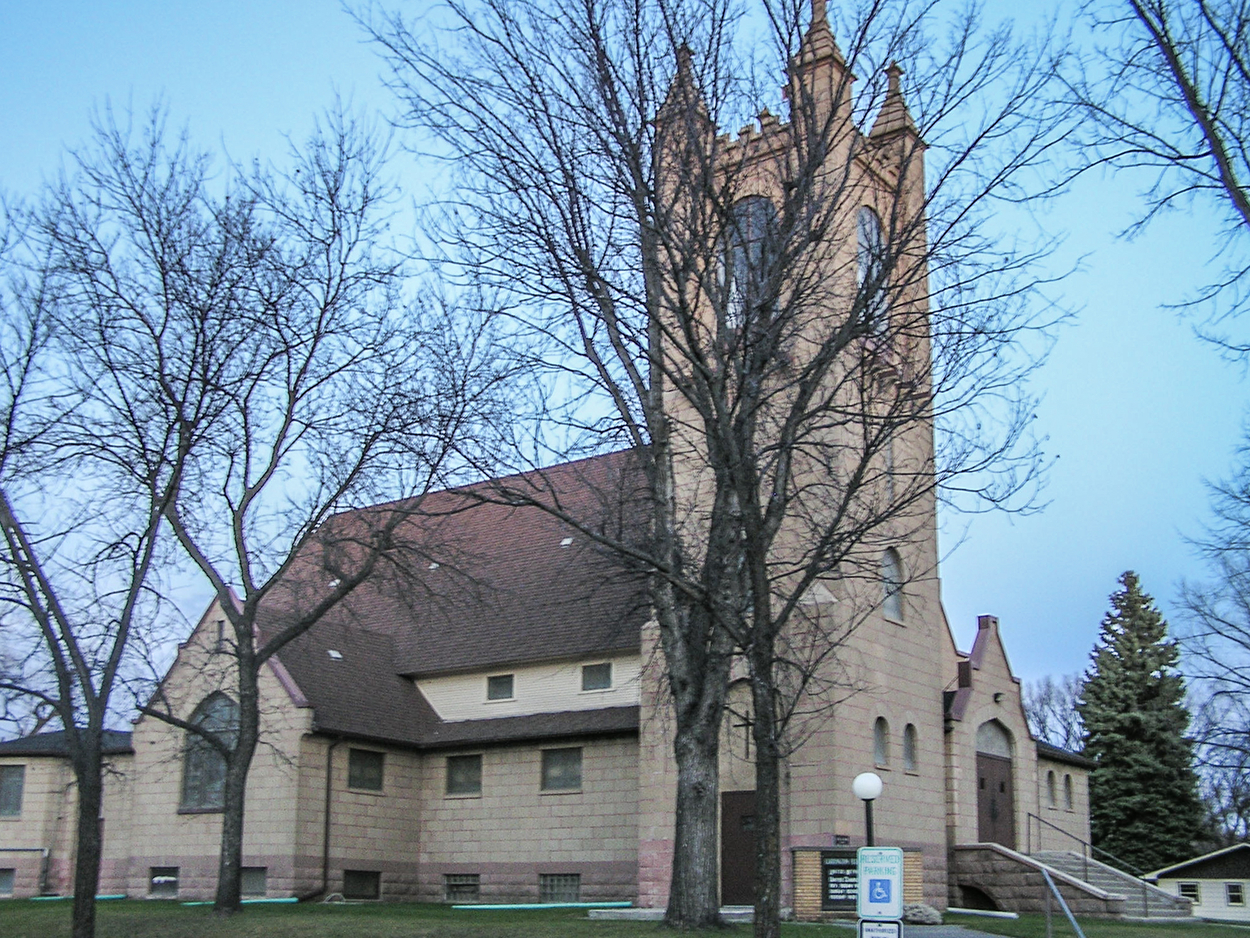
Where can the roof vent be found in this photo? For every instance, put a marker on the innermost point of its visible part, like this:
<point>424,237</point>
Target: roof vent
<point>334,584</point>
<point>335,654</point>
<point>567,542</point>
<point>433,564</point>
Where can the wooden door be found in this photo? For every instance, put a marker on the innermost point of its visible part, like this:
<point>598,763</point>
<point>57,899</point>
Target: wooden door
<point>737,848</point>
<point>996,821</point>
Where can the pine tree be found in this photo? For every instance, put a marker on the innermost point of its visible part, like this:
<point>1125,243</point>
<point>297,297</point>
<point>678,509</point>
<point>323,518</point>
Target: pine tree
<point>1144,806</point>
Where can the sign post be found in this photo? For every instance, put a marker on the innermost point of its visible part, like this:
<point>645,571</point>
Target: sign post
<point>880,902</point>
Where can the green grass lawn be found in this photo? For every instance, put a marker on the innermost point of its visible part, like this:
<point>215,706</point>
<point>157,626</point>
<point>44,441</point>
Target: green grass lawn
<point>1034,926</point>
<point>142,919</point>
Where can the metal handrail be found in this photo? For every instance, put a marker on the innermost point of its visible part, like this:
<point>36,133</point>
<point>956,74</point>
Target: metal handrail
<point>1089,848</point>
<point>1115,861</point>
<point>1050,884</point>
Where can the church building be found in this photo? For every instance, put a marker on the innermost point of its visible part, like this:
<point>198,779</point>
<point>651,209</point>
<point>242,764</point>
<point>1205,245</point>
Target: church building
<point>490,723</point>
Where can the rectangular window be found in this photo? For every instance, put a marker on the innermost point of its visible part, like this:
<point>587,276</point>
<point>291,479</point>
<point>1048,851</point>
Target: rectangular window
<point>559,887</point>
<point>163,882</point>
<point>562,769</point>
<point>7,876</point>
<point>254,881</point>
<point>1189,891</point>
<point>597,676</point>
<point>12,781</point>
<point>462,887</point>
<point>1234,894</point>
<point>499,687</point>
<point>362,884</point>
<point>364,769</point>
<point>464,775</point>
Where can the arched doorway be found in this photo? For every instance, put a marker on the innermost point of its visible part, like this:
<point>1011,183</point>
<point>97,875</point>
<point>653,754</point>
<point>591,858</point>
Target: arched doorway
<point>996,816</point>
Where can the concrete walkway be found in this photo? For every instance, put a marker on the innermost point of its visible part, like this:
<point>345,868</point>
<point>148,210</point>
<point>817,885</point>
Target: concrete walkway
<point>742,914</point>
<point>928,931</point>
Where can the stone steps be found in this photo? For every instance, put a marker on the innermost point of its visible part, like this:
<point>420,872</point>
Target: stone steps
<point>1141,898</point>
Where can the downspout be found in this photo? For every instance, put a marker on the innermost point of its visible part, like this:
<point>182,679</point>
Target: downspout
<point>325,838</point>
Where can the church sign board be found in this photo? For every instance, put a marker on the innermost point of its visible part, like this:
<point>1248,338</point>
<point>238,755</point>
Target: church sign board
<point>839,880</point>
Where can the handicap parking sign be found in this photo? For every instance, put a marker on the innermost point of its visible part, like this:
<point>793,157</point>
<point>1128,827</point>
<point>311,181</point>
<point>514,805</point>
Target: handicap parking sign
<point>880,873</point>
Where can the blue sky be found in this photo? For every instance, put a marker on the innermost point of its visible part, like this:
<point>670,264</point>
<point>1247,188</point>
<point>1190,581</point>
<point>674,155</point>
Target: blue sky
<point>1138,411</point>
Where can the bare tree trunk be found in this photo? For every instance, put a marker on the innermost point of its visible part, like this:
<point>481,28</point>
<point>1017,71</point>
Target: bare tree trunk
<point>87,770</point>
<point>230,862</point>
<point>767,804</point>
<point>694,900</point>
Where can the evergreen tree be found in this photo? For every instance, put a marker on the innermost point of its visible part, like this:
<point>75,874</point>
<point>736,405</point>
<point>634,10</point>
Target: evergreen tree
<point>1144,806</point>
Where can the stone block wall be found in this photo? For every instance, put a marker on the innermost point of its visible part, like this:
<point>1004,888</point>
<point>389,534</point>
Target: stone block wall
<point>513,832</point>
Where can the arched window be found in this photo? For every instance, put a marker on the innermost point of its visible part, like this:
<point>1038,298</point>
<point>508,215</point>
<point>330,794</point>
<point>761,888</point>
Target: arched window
<point>910,761</point>
<point>892,585</point>
<point>1050,790</point>
<point>203,765</point>
<point>752,246</point>
<point>881,742</point>
<point>871,277</point>
<point>1067,792</point>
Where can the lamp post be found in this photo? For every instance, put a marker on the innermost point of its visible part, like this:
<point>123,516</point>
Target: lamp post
<point>867,787</point>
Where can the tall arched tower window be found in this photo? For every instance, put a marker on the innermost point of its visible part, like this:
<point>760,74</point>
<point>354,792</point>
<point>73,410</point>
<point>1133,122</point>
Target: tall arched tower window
<point>871,276</point>
<point>892,585</point>
<point>752,242</point>
<point>203,765</point>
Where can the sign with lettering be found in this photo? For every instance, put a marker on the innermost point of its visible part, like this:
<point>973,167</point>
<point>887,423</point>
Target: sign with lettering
<point>880,881</point>
<point>839,880</point>
<point>869,929</point>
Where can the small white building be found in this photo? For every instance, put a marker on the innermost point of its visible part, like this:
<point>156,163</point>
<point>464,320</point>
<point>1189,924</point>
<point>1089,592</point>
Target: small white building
<point>1216,883</point>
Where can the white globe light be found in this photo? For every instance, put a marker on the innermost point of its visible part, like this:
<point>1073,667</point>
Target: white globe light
<point>867,786</point>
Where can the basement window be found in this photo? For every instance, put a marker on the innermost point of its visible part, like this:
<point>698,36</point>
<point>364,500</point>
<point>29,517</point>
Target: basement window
<point>254,881</point>
<point>559,887</point>
<point>462,887</point>
<point>163,882</point>
<point>7,876</point>
<point>362,884</point>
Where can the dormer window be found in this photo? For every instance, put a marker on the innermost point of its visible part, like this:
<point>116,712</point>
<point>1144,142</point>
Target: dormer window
<point>499,687</point>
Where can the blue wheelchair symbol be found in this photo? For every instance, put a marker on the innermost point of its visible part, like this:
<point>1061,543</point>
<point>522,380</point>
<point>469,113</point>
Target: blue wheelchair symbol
<point>878,890</point>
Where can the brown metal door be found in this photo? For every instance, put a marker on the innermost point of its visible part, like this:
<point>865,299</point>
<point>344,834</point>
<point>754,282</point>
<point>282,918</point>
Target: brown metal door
<point>737,848</point>
<point>996,822</point>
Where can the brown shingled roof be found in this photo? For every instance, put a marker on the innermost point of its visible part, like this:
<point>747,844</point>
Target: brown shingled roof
<point>484,585</point>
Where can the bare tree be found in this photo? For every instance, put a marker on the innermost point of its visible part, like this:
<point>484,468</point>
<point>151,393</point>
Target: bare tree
<point>773,324</point>
<point>1050,706</point>
<point>242,346</point>
<point>1215,641</point>
<point>81,506</point>
<point>1169,94</point>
